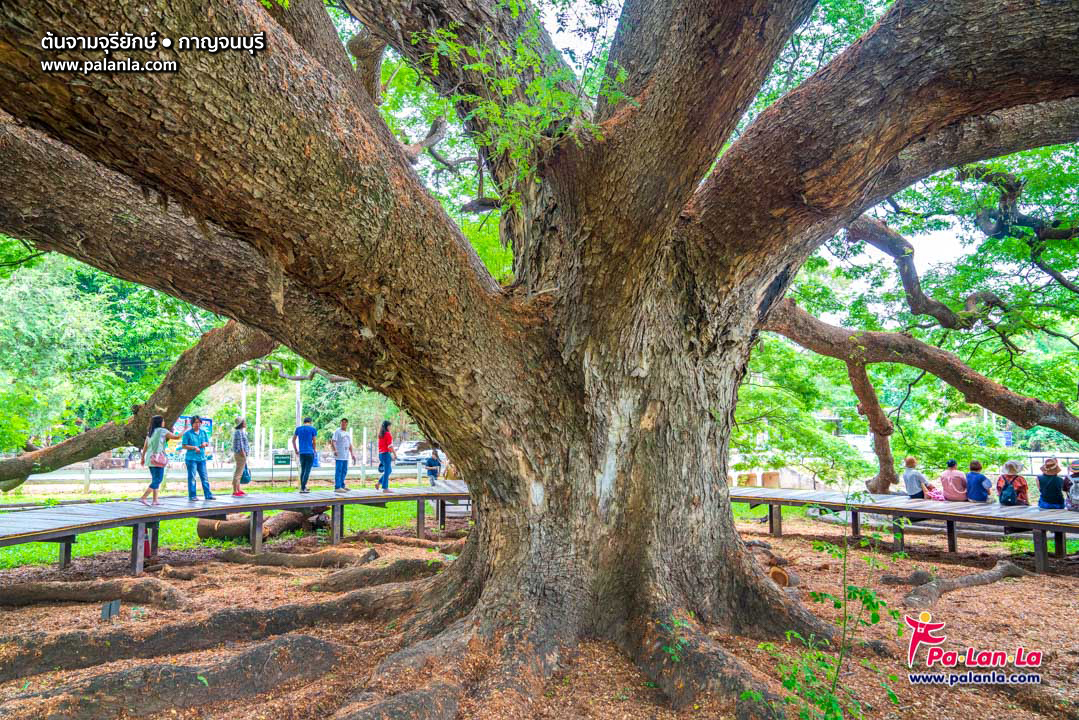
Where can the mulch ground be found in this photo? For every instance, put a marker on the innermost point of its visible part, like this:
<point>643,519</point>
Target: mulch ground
<point>596,680</point>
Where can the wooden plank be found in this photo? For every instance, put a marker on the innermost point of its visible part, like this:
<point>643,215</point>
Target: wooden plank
<point>775,520</point>
<point>255,532</point>
<point>441,506</point>
<point>64,561</point>
<point>855,524</point>
<point>953,541</point>
<point>421,520</point>
<point>337,523</point>
<point>138,548</point>
<point>154,529</point>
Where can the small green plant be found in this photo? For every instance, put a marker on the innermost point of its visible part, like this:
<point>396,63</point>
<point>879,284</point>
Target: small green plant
<point>202,679</point>
<point>678,643</point>
<point>138,613</point>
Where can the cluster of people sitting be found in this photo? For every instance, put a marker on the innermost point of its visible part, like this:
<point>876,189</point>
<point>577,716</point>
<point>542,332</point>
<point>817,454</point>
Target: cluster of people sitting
<point>1056,491</point>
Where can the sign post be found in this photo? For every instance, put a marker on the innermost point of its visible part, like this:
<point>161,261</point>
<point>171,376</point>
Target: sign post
<point>281,459</point>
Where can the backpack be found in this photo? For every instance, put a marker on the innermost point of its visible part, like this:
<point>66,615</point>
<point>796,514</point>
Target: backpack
<point>1072,498</point>
<point>1008,496</point>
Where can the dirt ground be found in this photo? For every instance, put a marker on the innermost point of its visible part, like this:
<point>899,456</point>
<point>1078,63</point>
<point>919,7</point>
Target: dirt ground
<point>597,681</point>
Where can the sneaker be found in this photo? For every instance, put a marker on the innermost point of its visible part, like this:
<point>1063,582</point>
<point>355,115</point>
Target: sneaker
<point>341,490</point>
<point>193,499</point>
<point>304,491</point>
<point>210,498</point>
<point>238,493</point>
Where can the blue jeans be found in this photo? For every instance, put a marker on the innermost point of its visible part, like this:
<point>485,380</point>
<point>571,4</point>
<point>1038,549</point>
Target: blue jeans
<point>340,472</point>
<point>920,495</point>
<point>384,459</point>
<point>157,475</point>
<point>1050,506</point>
<point>199,466</point>
<point>306,461</point>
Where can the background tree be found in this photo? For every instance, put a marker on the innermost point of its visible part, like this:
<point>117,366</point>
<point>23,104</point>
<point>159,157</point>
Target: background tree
<point>590,402</point>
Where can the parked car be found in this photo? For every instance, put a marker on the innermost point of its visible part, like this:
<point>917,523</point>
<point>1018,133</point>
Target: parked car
<point>412,452</point>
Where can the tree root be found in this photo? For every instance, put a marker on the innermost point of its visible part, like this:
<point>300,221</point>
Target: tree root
<point>685,663</point>
<point>146,590</point>
<point>453,548</point>
<point>238,525</point>
<point>438,701</point>
<point>33,653</point>
<point>927,595</point>
<point>401,570</point>
<point>155,688</point>
<point>326,558</point>
<point>917,577</point>
<point>185,573</point>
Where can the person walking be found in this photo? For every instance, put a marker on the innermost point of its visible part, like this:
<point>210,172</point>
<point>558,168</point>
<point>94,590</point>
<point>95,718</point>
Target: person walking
<point>434,464</point>
<point>240,450</point>
<point>385,454</point>
<point>1011,485</point>
<point>303,443</point>
<point>1071,484</point>
<point>1051,486</point>
<point>914,481</point>
<point>341,442</point>
<point>978,485</point>
<point>195,441</point>
<point>953,483</point>
<point>156,446</point>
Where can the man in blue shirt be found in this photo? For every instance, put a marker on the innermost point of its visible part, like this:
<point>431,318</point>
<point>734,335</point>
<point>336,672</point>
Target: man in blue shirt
<point>434,465</point>
<point>195,441</point>
<point>303,443</point>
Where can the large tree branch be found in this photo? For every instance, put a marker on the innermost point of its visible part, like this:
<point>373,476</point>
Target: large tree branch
<point>879,425</point>
<point>200,366</point>
<point>819,156</point>
<point>349,195</point>
<point>696,67</point>
<point>862,348</point>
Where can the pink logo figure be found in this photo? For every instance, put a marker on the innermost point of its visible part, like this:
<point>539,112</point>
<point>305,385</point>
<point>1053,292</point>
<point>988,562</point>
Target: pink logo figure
<point>921,634</point>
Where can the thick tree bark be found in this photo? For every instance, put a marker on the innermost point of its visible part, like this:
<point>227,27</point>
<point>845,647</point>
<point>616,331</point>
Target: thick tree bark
<point>591,415</point>
<point>210,359</point>
<point>879,425</point>
<point>789,320</point>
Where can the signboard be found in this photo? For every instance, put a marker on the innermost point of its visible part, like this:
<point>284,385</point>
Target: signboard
<point>1007,438</point>
<point>282,459</point>
<point>183,424</point>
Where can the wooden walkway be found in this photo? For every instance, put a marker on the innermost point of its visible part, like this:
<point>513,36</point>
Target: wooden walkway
<point>63,523</point>
<point>1015,518</point>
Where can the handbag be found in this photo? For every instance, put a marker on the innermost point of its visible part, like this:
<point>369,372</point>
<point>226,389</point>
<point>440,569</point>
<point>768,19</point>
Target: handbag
<point>246,478</point>
<point>158,458</point>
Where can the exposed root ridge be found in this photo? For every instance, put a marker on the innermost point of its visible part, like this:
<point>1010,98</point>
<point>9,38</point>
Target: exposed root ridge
<point>438,701</point>
<point>685,663</point>
<point>147,590</point>
<point>927,595</point>
<point>33,653</point>
<point>452,547</point>
<point>154,688</point>
<point>402,570</point>
<point>326,558</point>
<point>453,642</point>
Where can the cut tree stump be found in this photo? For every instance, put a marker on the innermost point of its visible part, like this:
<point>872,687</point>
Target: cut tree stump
<point>326,558</point>
<point>147,689</point>
<point>397,571</point>
<point>146,590</point>
<point>926,595</point>
<point>784,577</point>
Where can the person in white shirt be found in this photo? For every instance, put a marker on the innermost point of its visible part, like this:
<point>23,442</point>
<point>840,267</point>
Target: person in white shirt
<point>341,442</point>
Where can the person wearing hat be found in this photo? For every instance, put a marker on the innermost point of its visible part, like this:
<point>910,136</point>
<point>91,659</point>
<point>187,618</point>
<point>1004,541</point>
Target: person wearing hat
<point>1011,477</point>
<point>1071,484</point>
<point>1051,486</point>
<point>241,448</point>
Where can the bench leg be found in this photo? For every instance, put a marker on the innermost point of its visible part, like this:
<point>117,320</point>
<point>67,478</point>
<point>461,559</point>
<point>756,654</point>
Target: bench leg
<point>254,534</point>
<point>337,524</point>
<point>154,529</point>
<point>953,540</point>
<point>138,548</point>
<point>441,515</point>
<point>421,518</point>
<point>855,524</point>
<point>64,561</point>
<point>775,520</point>
<point>1060,544</point>
<point>897,533</point>
<point>1041,551</point>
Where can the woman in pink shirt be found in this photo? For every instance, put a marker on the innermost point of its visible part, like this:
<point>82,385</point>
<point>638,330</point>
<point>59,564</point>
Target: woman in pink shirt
<point>953,483</point>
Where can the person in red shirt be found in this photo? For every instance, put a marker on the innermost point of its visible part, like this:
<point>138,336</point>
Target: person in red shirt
<point>954,483</point>
<point>385,453</point>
